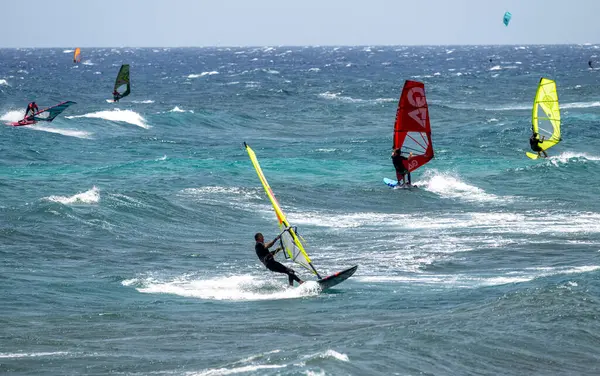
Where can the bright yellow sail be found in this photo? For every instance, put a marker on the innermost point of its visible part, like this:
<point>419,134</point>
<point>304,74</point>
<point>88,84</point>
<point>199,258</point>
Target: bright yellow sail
<point>289,239</point>
<point>545,118</point>
<point>77,55</point>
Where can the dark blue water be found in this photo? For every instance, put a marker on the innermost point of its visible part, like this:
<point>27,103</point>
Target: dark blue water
<point>126,230</point>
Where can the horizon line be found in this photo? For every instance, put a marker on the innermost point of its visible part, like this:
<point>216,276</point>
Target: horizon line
<point>318,46</point>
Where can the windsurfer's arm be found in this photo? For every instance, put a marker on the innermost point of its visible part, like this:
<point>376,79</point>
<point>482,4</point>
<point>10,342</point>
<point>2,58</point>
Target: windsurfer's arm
<point>276,251</point>
<point>270,244</point>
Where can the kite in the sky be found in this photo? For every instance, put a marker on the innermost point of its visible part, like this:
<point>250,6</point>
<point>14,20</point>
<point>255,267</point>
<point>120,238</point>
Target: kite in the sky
<point>506,19</point>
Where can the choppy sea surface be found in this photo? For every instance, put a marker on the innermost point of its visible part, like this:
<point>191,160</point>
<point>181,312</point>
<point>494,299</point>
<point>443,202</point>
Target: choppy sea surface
<point>126,230</point>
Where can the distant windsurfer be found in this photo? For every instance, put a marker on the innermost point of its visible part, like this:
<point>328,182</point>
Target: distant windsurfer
<point>268,258</point>
<point>116,95</point>
<point>401,171</point>
<point>32,108</point>
<point>590,64</point>
<point>534,142</point>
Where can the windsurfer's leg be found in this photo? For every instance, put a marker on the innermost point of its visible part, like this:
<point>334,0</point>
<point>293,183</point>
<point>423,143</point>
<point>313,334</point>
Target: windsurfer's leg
<point>409,182</point>
<point>399,176</point>
<point>293,277</point>
<point>277,267</point>
<point>545,155</point>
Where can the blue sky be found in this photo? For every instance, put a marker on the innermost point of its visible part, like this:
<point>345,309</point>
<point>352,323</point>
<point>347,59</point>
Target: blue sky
<point>175,23</point>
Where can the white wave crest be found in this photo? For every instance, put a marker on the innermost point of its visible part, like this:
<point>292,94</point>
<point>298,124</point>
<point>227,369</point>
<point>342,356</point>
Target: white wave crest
<point>203,74</point>
<point>495,67</point>
<point>234,288</point>
<point>336,96</point>
<point>32,355</point>
<point>474,281</point>
<point>147,101</point>
<point>88,62</point>
<point>567,156</point>
<point>125,116</point>
<point>4,82</point>
<point>508,108</point>
<point>450,186</point>
<point>234,370</point>
<point>68,51</point>
<point>177,109</point>
<point>580,105</point>
<point>88,197</point>
<point>12,115</point>
<point>64,132</point>
<point>329,354</point>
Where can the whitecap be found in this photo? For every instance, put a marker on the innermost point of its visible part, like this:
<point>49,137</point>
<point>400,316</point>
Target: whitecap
<point>91,196</point>
<point>125,116</point>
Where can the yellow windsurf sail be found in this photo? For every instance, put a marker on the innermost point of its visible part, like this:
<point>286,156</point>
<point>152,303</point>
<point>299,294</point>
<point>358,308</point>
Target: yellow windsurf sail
<point>545,118</point>
<point>290,241</point>
<point>77,55</point>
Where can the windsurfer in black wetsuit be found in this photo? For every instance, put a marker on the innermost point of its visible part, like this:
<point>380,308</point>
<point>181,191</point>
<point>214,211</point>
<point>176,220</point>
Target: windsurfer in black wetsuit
<point>116,95</point>
<point>535,142</point>
<point>401,171</point>
<point>268,259</point>
<point>31,108</point>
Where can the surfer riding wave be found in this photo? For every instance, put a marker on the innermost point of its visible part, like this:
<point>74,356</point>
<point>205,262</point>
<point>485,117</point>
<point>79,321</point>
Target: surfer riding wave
<point>535,142</point>
<point>401,171</point>
<point>32,108</point>
<point>268,258</point>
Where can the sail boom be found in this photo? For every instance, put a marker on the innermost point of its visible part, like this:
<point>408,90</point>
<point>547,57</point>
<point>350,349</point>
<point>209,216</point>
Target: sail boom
<point>50,113</point>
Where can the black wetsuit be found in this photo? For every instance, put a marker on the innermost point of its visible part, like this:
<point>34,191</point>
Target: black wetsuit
<point>401,170</point>
<point>535,142</point>
<point>268,260</point>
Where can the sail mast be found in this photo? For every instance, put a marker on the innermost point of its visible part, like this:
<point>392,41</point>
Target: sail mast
<point>289,239</point>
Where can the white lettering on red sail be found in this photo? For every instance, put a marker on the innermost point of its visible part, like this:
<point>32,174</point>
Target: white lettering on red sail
<point>412,130</point>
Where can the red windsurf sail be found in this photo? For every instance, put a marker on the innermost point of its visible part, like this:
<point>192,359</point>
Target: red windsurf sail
<point>412,131</point>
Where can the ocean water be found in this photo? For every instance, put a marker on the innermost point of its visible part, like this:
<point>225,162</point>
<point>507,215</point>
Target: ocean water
<point>126,230</point>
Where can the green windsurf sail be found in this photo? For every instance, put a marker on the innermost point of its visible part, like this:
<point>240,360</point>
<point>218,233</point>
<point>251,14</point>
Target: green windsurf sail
<point>123,79</point>
<point>48,114</point>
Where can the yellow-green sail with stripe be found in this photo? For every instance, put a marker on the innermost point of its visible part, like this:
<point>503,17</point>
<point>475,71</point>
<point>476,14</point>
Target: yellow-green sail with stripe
<point>290,241</point>
<point>545,118</point>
